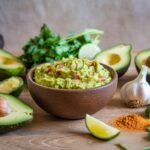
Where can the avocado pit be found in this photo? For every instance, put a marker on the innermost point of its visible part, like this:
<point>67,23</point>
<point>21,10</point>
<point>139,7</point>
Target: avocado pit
<point>148,62</point>
<point>13,113</point>
<point>4,107</point>
<point>113,59</point>
<point>118,57</point>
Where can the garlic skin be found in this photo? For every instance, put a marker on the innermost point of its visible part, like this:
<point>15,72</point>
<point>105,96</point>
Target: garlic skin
<point>136,93</point>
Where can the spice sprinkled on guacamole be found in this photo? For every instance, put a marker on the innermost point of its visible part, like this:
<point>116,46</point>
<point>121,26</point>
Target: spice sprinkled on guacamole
<point>72,73</point>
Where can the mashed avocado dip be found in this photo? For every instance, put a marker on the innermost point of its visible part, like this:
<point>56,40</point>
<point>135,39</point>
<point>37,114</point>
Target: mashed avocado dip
<point>72,73</point>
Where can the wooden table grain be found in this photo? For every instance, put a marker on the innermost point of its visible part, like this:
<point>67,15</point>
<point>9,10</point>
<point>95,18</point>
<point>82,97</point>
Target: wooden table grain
<point>46,132</point>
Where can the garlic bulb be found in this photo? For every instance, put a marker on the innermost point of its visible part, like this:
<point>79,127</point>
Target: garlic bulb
<point>136,93</point>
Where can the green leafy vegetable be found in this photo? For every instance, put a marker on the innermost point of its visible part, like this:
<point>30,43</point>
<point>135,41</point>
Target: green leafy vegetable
<point>148,135</point>
<point>147,112</point>
<point>49,46</point>
<point>148,131</point>
<point>148,128</point>
<point>121,147</point>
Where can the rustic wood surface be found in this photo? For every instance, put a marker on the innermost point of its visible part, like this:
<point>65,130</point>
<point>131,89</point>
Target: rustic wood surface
<point>46,132</point>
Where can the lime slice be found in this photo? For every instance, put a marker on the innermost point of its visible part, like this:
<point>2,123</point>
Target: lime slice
<point>89,51</point>
<point>99,129</point>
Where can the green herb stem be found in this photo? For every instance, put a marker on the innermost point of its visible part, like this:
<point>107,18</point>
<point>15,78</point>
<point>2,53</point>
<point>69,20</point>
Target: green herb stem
<point>147,111</point>
<point>121,147</point>
<point>87,31</point>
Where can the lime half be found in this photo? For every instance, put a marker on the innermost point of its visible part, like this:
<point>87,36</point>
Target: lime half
<point>99,129</point>
<point>89,51</point>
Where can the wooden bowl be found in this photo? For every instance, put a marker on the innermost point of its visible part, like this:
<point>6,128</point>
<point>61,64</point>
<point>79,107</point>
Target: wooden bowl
<point>72,103</point>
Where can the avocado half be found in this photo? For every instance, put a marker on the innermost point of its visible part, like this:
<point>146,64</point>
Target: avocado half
<point>20,114</point>
<point>12,85</point>
<point>118,57</point>
<point>9,65</point>
<point>143,58</point>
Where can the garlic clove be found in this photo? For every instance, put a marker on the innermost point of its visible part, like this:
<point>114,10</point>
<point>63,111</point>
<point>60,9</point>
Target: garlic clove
<point>4,107</point>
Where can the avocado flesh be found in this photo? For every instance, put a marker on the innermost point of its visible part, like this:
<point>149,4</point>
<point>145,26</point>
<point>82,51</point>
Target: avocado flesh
<point>20,114</point>
<point>12,85</point>
<point>140,59</point>
<point>9,65</point>
<point>118,57</point>
<point>15,118</point>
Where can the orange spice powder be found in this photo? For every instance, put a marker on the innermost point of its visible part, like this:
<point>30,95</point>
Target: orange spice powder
<point>131,122</point>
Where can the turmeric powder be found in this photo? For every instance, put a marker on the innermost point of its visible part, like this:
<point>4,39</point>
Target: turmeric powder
<point>131,122</point>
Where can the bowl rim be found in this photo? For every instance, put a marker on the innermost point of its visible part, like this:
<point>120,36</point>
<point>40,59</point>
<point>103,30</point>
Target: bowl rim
<point>29,77</point>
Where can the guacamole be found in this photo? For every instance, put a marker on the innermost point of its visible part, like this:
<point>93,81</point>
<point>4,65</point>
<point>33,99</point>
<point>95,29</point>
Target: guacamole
<point>72,73</point>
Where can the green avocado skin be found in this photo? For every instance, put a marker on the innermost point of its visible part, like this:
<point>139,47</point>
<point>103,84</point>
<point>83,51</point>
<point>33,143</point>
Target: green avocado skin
<point>122,71</point>
<point>5,73</point>
<point>8,128</point>
<point>136,62</point>
<point>18,91</point>
<point>10,125</point>
<point>124,68</point>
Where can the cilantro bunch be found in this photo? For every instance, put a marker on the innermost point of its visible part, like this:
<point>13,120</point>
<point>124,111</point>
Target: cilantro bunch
<point>49,46</point>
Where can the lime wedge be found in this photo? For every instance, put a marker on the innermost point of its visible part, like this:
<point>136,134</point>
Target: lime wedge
<point>99,129</point>
<point>89,51</point>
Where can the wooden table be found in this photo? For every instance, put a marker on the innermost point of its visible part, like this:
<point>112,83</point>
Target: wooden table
<point>49,133</point>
